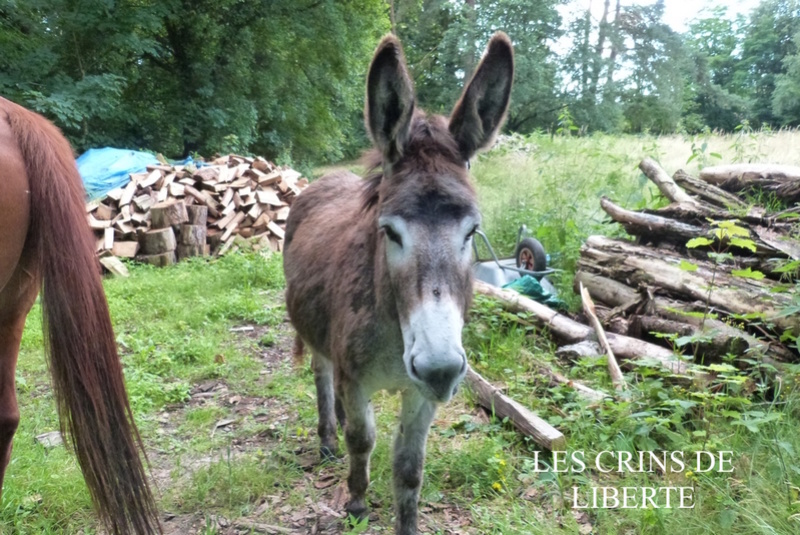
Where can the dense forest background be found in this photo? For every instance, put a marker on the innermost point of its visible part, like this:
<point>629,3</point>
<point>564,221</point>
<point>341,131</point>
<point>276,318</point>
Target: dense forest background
<point>284,78</point>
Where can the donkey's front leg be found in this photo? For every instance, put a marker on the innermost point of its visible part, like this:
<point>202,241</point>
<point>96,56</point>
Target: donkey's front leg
<point>409,457</point>
<point>359,434</point>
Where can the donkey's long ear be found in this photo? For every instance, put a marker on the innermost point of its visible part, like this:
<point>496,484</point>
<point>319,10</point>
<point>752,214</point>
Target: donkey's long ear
<point>481,110</point>
<point>390,99</point>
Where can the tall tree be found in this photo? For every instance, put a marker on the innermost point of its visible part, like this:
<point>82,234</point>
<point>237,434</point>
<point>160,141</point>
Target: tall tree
<point>656,59</point>
<point>769,40</point>
<point>713,98</point>
<point>786,97</point>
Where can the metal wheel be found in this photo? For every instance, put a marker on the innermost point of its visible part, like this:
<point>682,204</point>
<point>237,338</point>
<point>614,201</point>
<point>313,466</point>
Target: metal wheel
<point>530,255</point>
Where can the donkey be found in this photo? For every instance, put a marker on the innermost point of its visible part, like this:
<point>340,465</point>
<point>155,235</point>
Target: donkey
<point>378,271</point>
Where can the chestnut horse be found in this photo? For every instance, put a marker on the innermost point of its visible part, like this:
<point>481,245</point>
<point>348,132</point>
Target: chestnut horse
<point>378,271</point>
<point>46,242</point>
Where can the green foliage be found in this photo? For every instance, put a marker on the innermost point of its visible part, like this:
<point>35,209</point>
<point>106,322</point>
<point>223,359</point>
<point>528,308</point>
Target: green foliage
<point>285,79</point>
<point>769,41</point>
<point>443,42</point>
<point>182,77</point>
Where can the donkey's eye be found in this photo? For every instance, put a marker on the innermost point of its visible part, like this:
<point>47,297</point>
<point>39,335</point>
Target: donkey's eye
<point>392,235</point>
<point>471,233</point>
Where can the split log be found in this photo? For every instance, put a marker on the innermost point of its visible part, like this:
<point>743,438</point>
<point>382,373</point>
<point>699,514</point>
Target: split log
<point>103,212</point>
<point>113,265</point>
<point>783,180</point>
<point>624,261</point>
<point>199,197</point>
<point>570,331</point>
<point>193,235</point>
<point>198,214</point>
<point>159,260</point>
<point>275,230</point>
<point>523,418</point>
<point>108,238</point>
<point>125,249</point>
<point>617,379</point>
<point>185,251</point>
<point>158,241</point>
<point>168,214</point>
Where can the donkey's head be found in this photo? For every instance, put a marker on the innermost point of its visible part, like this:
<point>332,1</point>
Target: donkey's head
<point>426,208</point>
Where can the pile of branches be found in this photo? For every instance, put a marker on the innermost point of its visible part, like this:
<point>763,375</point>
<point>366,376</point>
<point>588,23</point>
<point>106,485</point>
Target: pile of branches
<point>710,274</point>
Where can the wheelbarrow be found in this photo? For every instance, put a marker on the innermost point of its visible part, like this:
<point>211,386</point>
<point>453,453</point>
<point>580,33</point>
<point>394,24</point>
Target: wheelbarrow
<point>529,258</point>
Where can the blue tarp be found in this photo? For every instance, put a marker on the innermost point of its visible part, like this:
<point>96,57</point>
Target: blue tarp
<point>105,169</point>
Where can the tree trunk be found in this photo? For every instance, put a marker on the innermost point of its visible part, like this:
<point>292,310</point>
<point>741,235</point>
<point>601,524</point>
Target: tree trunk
<point>597,61</point>
<point>612,58</point>
<point>782,180</point>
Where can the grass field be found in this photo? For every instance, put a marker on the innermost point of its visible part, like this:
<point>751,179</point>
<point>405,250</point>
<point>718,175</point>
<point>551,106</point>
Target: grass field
<point>230,424</point>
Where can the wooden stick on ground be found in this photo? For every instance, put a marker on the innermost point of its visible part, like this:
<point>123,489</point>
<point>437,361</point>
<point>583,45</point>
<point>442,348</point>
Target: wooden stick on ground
<point>613,367</point>
<point>523,418</point>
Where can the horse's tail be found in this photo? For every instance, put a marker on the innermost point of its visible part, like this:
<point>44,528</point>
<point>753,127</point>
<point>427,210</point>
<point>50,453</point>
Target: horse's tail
<point>298,352</point>
<point>87,374</point>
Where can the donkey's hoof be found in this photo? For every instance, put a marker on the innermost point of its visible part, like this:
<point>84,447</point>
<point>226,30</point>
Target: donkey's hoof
<point>327,453</point>
<point>357,508</point>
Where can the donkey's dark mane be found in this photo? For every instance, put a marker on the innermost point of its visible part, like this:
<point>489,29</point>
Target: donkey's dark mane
<point>430,147</point>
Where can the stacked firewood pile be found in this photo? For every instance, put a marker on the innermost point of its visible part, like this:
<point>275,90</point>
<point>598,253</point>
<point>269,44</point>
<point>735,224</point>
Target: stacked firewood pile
<point>172,212</point>
<point>711,269</point>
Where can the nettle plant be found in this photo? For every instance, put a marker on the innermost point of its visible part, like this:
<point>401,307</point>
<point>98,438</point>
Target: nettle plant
<point>723,236</point>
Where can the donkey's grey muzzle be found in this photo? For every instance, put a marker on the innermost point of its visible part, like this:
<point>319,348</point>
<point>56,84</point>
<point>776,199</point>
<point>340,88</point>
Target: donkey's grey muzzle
<point>434,357</point>
<point>441,375</point>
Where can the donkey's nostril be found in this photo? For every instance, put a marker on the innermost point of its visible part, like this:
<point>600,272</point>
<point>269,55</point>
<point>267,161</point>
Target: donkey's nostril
<point>414,370</point>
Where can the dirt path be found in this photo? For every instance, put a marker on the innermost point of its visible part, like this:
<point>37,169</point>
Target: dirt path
<point>288,510</point>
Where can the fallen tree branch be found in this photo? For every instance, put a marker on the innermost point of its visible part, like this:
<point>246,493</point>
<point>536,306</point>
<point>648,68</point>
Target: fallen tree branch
<point>726,338</point>
<point>650,225</point>
<point>638,265</point>
<point>523,418</point>
<point>570,331</point>
<point>613,367</point>
<point>665,184</point>
<point>783,180</point>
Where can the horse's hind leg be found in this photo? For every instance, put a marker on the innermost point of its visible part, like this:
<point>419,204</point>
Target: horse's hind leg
<point>16,299</point>
<point>326,405</point>
<point>360,437</point>
<point>409,458</point>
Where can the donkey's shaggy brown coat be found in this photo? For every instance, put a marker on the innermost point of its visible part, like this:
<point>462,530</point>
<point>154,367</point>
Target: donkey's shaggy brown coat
<point>378,271</point>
